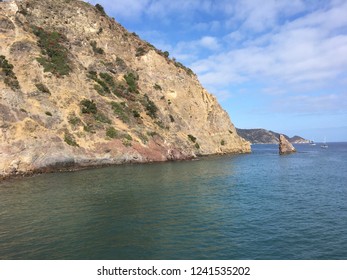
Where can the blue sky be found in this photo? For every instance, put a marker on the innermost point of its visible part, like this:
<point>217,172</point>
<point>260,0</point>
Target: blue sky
<point>274,64</point>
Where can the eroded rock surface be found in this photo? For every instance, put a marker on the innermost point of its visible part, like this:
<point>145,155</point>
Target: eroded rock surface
<point>285,147</point>
<point>77,89</point>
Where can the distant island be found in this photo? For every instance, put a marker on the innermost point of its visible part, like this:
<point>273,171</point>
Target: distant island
<point>263,136</point>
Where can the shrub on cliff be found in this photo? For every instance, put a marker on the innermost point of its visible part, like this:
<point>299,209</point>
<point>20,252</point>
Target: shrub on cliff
<point>70,140</point>
<point>54,56</point>
<point>100,9</point>
<point>88,106</point>
<point>150,107</point>
<point>10,78</point>
<point>96,49</point>
<point>192,138</point>
<point>131,80</point>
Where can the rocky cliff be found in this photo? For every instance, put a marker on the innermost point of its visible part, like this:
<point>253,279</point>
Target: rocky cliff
<point>77,89</point>
<point>263,136</point>
<point>285,147</point>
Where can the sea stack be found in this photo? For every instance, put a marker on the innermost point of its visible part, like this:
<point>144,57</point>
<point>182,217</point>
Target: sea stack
<point>285,147</point>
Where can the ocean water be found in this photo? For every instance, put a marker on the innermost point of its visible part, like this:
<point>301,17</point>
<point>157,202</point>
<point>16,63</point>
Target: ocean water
<point>255,206</point>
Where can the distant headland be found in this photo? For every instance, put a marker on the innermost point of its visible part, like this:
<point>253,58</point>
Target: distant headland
<point>263,136</point>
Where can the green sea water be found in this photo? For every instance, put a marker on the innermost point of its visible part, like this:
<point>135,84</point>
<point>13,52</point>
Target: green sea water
<point>255,206</point>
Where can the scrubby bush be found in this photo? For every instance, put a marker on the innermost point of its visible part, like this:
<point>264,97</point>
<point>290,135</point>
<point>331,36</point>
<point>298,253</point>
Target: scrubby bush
<point>10,77</point>
<point>54,57</point>
<point>150,107</point>
<point>41,87</point>
<point>88,106</point>
<point>121,111</point>
<point>131,80</point>
<point>157,87</point>
<point>73,120</point>
<point>70,140</point>
<point>100,117</point>
<point>111,132</point>
<point>96,49</point>
<point>100,9</point>
<point>136,114</point>
<point>140,51</point>
<point>166,54</point>
<point>192,138</point>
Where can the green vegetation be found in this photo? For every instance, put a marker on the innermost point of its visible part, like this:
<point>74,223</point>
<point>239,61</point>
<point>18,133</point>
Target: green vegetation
<point>152,133</point>
<point>120,63</point>
<point>157,87</point>
<point>73,120</point>
<point>48,113</point>
<point>140,51</point>
<point>54,57</point>
<point>166,54</point>
<point>197,146</point>
<point>131,80</point>
<point>120,110</point>
<point>192,138</point>
<point>102,88</point>
<point>180,65</point>
<point>89,128</point>
<point>105,84</point>
<point>41,87</point>
<point>150,107</point>
<point>222,142</point>
<point>7,70</point>
<point>100,117</point>
<point>70,140</point>
<point>88,106</point>
<point>172,118</point>
<point>100,9</point>
<point>111,132</point>
<point>144,139</point>
<point>96,49</point>
<point>136,114</point>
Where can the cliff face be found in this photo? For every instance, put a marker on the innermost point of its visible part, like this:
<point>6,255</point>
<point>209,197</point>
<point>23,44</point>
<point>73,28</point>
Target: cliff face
<point>77,89</point>
<point>285,147</point>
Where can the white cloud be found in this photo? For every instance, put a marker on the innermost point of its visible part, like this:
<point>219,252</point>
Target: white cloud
<point>209,43</point>
<point>307,51</point>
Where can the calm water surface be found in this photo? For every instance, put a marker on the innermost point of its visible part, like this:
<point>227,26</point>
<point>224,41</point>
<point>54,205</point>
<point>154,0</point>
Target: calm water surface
<point>256,206</point>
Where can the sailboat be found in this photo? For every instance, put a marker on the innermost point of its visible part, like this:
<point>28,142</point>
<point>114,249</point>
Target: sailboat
<point>324,145</point>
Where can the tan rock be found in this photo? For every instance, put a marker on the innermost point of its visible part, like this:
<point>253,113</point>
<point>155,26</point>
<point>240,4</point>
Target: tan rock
<point>285,147</point>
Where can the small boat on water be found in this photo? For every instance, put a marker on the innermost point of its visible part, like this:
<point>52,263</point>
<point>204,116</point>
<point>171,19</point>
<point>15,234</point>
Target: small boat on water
<point>312,143</point>
<point>324,145</point>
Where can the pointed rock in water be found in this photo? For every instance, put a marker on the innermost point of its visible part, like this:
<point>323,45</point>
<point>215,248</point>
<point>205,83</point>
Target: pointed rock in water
<point>285,147</point>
